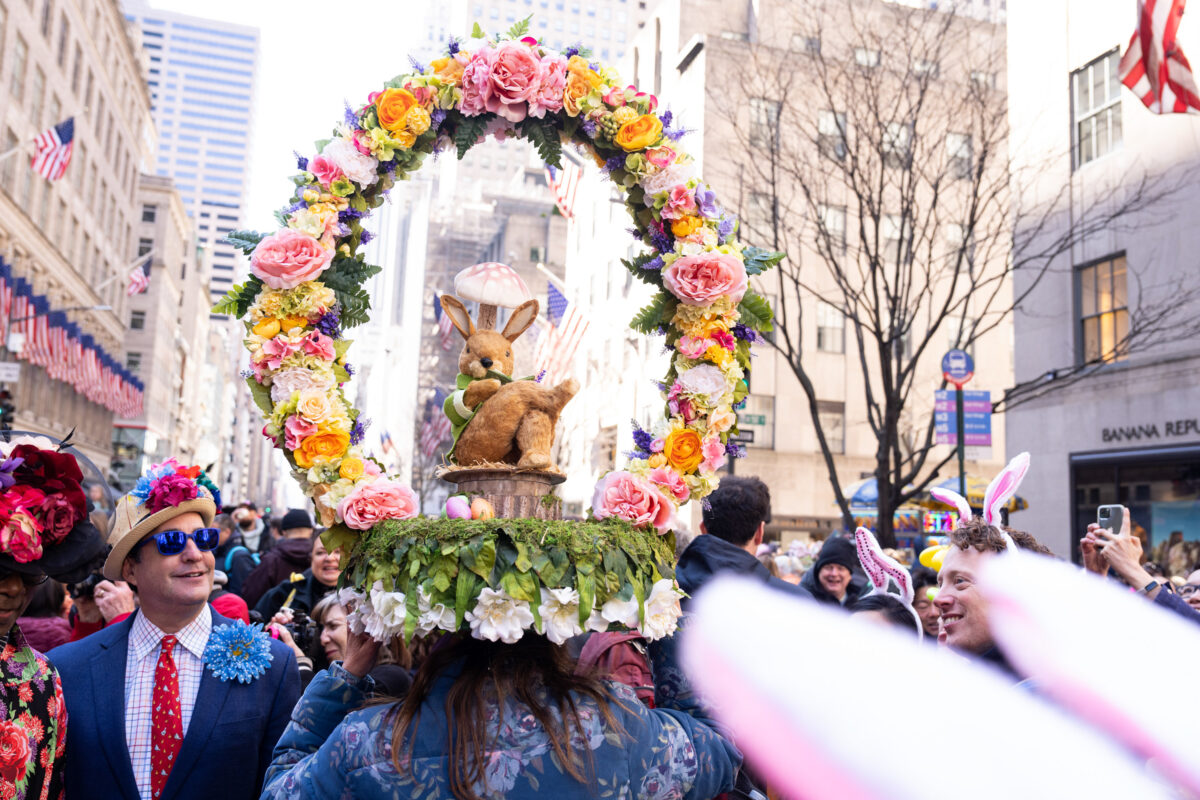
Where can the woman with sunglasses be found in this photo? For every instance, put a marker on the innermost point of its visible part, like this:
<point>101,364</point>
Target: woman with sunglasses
<point>190,688</point>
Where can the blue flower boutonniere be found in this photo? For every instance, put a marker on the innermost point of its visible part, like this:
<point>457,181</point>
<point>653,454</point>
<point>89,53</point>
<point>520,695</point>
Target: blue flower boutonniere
<point>238,652</point>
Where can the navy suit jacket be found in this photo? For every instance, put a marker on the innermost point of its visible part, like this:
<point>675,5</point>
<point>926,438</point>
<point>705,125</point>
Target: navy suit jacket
<point>227,749</point>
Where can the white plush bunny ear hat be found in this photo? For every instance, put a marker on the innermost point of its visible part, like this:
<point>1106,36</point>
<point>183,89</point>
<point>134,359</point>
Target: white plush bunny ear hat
<point>999,492</point>
<point>882,569</point>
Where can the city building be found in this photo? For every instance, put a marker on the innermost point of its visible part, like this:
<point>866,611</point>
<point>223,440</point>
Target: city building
<point>1104,404</point>
<point>72,239</point>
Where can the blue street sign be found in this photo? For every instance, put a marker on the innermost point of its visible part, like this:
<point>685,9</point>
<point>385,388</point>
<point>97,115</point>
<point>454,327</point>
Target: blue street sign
<point>958,367</point>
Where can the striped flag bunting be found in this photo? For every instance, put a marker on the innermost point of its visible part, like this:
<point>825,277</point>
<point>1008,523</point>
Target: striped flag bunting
<point>1154,66</point>
<point>52,150</point>
<point>445,326</point>
<point>139,278</point>
<point>564,184</point>
<point>435,428</point>
<point>66,353</point>
<point>557,344</point>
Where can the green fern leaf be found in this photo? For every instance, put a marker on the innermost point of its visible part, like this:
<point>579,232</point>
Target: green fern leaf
<point>759,260</point>
<point>519,29</point>
<point>237,301</point>
<point>756,312</point>
<point>658,313</point>
<point>468,131</point>
<point>347,274</point>
<point>245,241</point>
<point>544,135</point>
<point>355,307</point>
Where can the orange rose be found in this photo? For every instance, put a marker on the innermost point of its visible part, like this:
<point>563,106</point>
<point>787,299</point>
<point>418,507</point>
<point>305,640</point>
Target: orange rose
<point>324,445</point>
<point>685,226</point>
<point>448,70</point>
<point>392,108</point>
<point>638,134</point>
<point>683,451</point>
<point>581,79</point>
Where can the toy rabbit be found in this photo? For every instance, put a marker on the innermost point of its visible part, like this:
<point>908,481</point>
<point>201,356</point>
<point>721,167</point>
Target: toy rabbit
<point>495,419</point>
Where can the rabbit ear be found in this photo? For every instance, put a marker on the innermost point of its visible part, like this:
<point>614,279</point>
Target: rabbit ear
<point>734,657</point>
<point>953,499</point>
<point>1003,487</point>
<point>879,566</point>
<point>459,317</point>
<point>520,320</point>
<point>1009,545</point>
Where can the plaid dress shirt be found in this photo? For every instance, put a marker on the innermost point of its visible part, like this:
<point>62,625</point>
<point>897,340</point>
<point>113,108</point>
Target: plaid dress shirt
<point>145,646</point>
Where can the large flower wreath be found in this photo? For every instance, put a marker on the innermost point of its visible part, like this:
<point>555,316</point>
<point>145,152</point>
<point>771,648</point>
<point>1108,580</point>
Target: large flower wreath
<point>306,289</point>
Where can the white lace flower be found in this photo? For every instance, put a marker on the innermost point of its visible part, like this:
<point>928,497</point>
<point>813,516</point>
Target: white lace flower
<point>596,622</point>
<point>499,617</point>
<point>666,179</point>
<point>285,382</point>
<point>705,379</point>
<point>432,617</point>
<point>560,614</point>
<point>662,610</point>
<point>359,167</point>
<point>623,612</point>
<point>388,620</point>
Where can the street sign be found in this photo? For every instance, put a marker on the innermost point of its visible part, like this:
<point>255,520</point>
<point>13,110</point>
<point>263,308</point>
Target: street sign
<point>10,371</point>
<point>958,367</point>
<point>742,437</point>
<point>977,418</point>
<point>752,419</point>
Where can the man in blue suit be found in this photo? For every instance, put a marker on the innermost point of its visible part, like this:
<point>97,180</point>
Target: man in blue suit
<point>148,717</point>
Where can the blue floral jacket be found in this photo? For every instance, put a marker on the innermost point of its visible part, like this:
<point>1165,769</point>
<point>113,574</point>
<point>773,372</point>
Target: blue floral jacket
<point>331,751</point>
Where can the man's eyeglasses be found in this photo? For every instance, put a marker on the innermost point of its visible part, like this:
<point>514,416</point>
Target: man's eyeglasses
<point>1189,589</point>
<point>172,543</point>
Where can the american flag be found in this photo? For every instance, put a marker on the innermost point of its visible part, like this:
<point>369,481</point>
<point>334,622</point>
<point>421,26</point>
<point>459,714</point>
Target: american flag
<point>445,326</point>
<point>53,150</point>
<point>564,184</point>
<point>139,278</point>
<point>1154,66</point>
<point>557,345</point>
<point>436,426</point>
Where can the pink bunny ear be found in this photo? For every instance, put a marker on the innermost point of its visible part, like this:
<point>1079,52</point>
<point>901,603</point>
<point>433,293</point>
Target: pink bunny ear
<point>953,499</point>
<point>1003,487</point>
<point>879,566</point>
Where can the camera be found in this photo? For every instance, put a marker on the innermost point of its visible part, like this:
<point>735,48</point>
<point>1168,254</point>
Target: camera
<point>85,588</point>
<point>304,630</point>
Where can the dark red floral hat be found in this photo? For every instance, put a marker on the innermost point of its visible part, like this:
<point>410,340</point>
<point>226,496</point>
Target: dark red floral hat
<point>44,525</point>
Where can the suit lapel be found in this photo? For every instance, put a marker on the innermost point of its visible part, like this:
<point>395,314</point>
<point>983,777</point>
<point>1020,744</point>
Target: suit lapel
<point>108,690</point>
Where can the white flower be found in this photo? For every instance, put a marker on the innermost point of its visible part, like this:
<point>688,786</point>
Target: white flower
<point>560,614</point>
<point>498,617</point>
<point>358,611</point>
<point>40,442</point>
<point>705,379</point>
<point>667,179</point>
<point>662,610</point>
<point>596,622</point>
<point>297,379</point>
<point>432,617</point>
<point>359,168</point>
<point>388,619</point>
<point>623,612</point>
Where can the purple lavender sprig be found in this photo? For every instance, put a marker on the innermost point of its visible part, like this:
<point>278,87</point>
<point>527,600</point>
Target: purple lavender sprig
<point>453,47</point>
<point>330,323</point>
<point>366,237</point>
<point>437,118</point>
<point>746,333</point>
<point>359,430</point>
<point>725,229</point>
<point>417,66</point>
<point>350,117</point>
<point>654,264</point>
<point>614,162</point>
<point>642,440</point>
<point>301,162</point>
<point>660,240</point>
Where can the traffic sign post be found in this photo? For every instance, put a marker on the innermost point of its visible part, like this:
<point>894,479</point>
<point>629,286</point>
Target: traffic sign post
<point>958,367</point>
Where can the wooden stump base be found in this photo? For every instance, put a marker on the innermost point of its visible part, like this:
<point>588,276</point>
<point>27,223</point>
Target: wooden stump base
<point>514,495</point>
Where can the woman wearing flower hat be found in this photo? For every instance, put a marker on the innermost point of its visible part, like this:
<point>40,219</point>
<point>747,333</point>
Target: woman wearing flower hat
<point>44,532</point>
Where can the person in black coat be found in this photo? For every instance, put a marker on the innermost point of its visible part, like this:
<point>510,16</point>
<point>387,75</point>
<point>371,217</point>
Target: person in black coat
<point>836,577</point>
<point>313,584</point>
<point>232,556</point>
<point>289,555</point>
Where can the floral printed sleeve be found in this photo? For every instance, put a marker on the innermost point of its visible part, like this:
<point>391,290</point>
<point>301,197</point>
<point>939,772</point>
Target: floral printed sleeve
<point>33,725</point>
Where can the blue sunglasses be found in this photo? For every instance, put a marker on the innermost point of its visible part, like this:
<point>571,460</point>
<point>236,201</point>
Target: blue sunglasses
<point>172,543</point>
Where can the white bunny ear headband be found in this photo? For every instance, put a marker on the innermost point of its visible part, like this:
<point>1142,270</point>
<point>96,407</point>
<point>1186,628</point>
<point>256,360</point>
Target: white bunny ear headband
<point>999,492</point>
<point>880,568</point>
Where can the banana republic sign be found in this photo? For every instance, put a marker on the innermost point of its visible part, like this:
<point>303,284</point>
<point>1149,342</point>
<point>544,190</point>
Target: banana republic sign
<point>1140,433</point>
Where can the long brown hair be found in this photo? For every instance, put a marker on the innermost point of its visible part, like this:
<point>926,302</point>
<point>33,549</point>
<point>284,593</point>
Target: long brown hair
<point>533,672</point>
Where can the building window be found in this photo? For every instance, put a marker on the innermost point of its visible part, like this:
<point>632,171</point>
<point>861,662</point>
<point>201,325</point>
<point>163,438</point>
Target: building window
<point>983,80</point>
<point>37,98</point>
<point>865,57</point>
<point>890,231</point>
<point>75,69</point>
<point>926,67</point>
<point>47,15</point>
<point>764,122</point>
<point>831,134</point>
<point>20,54</point>
<point>133,361</point>
<point>831,328</point>
<point>149,213</point>
<point>137,320</point>
<point>959,243</point>
<point>1103,311</point>
<point>145,246</point>
<point>897,145</point>
<point>833,225</point>
<point>958,331</point>
<point>760,215</point>
<point>811,45</point>
<point>958,154</point>
<point>832,415</point>
<point>64,38</point>
<point>1096,108</point>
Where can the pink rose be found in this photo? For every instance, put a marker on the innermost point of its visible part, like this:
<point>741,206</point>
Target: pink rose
<point>371,503</point>
<point>362,140</point>
<point>661,156</point>
<point>274,351</point>
<point>288,258</point>
<point>296,429</point>
<point>691,347</point>
<point>59,516</point>
<point>20,538</point>
<point>625,496</point>
<point>514,80</point>
<point>169,491</point>
<point>371,469</point>
<point>657,445</point>
<point>475,84</point>
<point>615,97</point>
<point>714,454</point>
<point>725,339</point>
<point>325,170</point>
<point>671,482</point>
<point>680,203</point>
<point>320,345</point>
<point>549,96</point>
<point>703,279</point>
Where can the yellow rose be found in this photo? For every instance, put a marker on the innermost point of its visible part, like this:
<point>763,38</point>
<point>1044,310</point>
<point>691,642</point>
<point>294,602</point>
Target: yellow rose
<point>351,468</point>
<point>638,134</point>
<point>581,79</point>
<point>392,108</point>
<point>267,328</point>
<point>685,226</point>
<point>657,460</point>
<point>323,446</point>
<point>314,405</point>
<point>683,450</point>
<point>406,139</point>
<point>721,420</point>
<point>448,70</point>
<point>417,120</point>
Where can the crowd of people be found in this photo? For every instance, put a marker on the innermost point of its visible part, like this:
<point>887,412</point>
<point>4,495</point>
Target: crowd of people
<point>151,687</point>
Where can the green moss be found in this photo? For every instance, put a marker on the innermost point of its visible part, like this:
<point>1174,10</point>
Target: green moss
<point>550,500</point>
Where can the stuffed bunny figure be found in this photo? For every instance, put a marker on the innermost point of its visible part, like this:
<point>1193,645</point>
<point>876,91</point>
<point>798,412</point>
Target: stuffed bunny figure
<point>494,418</point>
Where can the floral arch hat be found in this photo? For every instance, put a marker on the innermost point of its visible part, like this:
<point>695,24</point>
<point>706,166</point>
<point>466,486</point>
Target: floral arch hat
<point>165,491</point>
<point>44,524</point>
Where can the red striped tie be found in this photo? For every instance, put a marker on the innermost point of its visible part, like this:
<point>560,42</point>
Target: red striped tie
<point>166,722</point>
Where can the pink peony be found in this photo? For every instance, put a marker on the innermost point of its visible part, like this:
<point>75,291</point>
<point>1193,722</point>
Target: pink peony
<point>325,170</point>
<point>475,85</point>
<point>371,503</point>
<point>169,491</point>
<point>361,141</point>
<point>370,468</point>
<point>625,496</point>
<point>680,203</point>
<point>615,97</point>
<point>661,156</point>
<point>296,429</point>
<point>19,537</point>
<point>288,258</point>
<point>549,96</point>
<point>274,351</point>
<point>320,345</point>
<point>671,482</point>
<point>59,516</point>
<point>703,279</point>
<point>692,347</point>
<point>514,81</point>
<point>714,454</point>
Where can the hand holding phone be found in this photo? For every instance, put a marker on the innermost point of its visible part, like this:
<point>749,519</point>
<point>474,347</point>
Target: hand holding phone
<point>1111,518</point>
